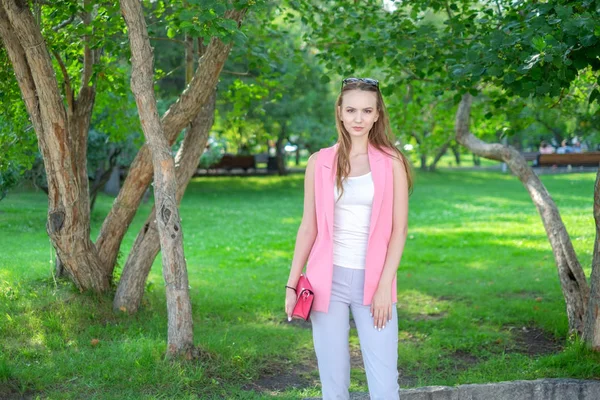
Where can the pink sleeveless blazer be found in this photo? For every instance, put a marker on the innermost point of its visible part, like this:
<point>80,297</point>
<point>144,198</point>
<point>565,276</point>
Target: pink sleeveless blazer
<point>319,269</point>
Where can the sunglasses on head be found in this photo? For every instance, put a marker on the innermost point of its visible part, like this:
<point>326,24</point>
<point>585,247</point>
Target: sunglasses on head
<point>368,81</point>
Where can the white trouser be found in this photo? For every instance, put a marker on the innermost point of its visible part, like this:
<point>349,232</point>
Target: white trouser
<point>330,335</point>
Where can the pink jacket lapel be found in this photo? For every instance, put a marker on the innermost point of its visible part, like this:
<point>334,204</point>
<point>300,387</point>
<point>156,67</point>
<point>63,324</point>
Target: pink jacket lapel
<point>328,178</point>
<point>378,174</point>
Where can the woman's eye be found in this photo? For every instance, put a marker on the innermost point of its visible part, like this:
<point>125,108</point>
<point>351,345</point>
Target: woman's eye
<point>368,111</point>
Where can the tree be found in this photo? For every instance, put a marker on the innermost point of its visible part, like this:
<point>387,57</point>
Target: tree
<point>61,123</point>
<point>176,118</point>
<point>419,116</point>
<point>62,134</point>
<point>273,93</point>
<point>179,306</point>
<point>131,286</point>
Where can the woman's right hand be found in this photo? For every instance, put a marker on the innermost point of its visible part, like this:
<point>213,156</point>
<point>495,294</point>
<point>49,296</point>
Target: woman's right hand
<point>290,302</point>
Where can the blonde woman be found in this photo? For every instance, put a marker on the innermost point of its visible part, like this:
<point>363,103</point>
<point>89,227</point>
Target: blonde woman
<point>351,239</point>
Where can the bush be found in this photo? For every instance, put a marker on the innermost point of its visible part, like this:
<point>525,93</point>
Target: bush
<point>212,155</point>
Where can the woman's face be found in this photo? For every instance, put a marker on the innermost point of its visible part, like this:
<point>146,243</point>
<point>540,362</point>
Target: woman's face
<point>358,111</point>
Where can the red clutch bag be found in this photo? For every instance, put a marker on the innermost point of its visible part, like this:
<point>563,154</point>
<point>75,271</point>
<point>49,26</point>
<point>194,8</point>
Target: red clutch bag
<point>304,299</point>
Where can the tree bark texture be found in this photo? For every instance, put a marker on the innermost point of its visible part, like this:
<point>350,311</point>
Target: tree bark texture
<point>62,140</point>
<point>179,307</point>
<point>572,279</point>
<point>591,333</point>
<point>146,246</point>
<point>177,117</point>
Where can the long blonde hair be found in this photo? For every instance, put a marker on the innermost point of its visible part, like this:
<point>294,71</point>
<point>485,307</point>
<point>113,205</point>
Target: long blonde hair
<point>380,136</point>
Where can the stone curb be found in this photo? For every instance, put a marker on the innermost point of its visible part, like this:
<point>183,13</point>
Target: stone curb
<point>539,389</point>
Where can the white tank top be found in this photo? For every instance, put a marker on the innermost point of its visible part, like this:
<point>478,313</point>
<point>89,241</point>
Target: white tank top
<point>352,220</point>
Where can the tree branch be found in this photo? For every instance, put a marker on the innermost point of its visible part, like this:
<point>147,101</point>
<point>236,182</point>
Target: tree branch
<point>169,40</point>
<point>21,69</point>
<point>448,10</point>
<point>88,54</point>
<point>68,89</point>
<point>64,23</point>
<point>247,73</point>
<point>169,73</point>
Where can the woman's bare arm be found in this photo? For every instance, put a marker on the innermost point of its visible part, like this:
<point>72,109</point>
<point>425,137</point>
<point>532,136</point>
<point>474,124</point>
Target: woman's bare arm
<point>307,232</point>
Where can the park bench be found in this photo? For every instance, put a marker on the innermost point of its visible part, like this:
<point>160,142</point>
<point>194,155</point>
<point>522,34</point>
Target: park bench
<point>588,159</point>
<point>231,161</point>
<point>530,155</point>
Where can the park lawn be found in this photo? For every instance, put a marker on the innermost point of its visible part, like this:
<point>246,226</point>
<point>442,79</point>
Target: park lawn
<point>478,295</point>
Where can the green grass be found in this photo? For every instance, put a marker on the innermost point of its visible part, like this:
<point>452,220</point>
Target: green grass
<point>477,261</point>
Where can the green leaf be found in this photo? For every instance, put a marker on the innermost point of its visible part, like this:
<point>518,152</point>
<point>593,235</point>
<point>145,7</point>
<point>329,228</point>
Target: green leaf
<point>538,43</point>
<point>171,33</point>
<point>543,89</point>
<point>564,12</point>
<point>510,78</point>
<point>588,40</point>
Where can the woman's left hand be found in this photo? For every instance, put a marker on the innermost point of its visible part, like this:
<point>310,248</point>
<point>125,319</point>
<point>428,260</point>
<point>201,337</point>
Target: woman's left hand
<point>381,308</point>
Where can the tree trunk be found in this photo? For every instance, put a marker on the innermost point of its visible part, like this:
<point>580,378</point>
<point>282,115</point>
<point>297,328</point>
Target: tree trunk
<point>280,154</point>
<point>591,333</point>
<point>572,278</point>
<point>179,306</point>
<point>62,140</point>
<point>103,174</point>
<point>173,121</point>
<point>456,152</point>
<point>423,162</point>
<point>146,246</point>
<point>476,160</point>
<point>439,155</point>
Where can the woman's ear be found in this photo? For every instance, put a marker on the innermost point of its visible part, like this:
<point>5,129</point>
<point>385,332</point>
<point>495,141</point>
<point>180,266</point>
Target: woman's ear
<point>339,112</point>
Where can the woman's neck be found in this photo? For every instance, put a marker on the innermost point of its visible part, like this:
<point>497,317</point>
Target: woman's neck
<point>359,146</point>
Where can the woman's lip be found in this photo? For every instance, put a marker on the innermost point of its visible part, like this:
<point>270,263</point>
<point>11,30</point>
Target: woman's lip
<point>357,128</point>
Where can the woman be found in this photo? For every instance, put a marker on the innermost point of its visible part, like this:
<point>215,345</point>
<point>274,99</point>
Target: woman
<point>352,234</point>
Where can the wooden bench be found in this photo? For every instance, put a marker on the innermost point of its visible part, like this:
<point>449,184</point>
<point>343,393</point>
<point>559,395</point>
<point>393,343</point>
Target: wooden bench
<point>588,159</point>
<point>530,155</point>
<point>231,161</point>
